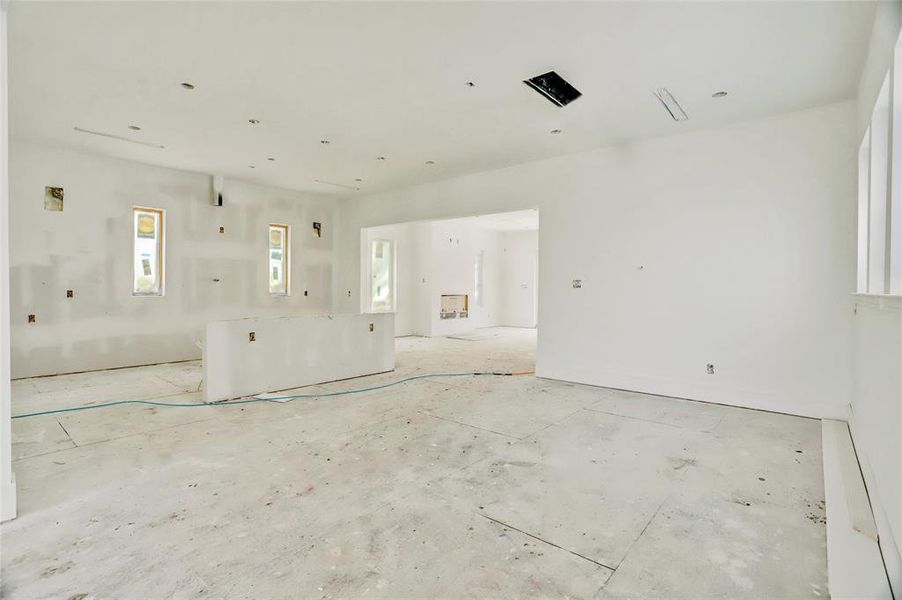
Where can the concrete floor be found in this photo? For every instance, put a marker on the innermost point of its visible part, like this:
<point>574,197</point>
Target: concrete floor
<point>481,487</point>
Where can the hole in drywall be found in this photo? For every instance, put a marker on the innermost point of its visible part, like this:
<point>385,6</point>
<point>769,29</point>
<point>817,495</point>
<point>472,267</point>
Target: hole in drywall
<point>372,327</point>
<point>305,292</point>
<point>31,318</point>
<point>554,87</point>
<point>222,230</point>
<point>252,336</point>
<point>70,293</point>
<point>455,306</point>
<point>317,229</point>
<point>710,369</point>
<point>53,198</point>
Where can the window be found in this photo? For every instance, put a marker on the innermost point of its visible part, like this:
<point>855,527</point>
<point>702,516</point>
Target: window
<point>864,178</point>
<point>880,190</point>
<point>148,251</point>
<point>879,147</point>
<point>383,275</point>
<point>278,259</point>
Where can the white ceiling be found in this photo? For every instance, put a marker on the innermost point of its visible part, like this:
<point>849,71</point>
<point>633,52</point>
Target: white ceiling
<point>389,79</point>
<point>520,220</point>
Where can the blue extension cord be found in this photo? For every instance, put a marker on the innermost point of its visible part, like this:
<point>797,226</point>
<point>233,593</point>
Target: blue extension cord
<point>255,400</point>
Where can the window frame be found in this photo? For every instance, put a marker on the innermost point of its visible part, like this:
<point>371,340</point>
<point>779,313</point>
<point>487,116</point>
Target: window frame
<point>392,279</point>
<point>161,250</point>
<point>286,258</point>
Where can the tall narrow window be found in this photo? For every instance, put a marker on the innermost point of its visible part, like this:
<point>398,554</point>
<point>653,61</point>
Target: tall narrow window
<point>383,275</point>
<point>278,259</point>
<point>864,211</point>
<point>895,224</point>
<point>148,251</point>
<point>877,238</point>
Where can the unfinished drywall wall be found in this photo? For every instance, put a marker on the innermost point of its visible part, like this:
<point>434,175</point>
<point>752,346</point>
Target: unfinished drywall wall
<point>519,255</point>
<point>256,355</point>
<point>87,248</point>
<point>7,478</point>
<point>733,246</point>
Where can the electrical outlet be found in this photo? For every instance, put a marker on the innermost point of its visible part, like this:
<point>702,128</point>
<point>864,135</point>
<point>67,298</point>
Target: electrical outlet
<point>252,336</point>
<point>372,327</point>
<point>222,230</point>
<point>31,318</point>
<point>70,293</point>
<point>710,369</point>
<point>349,293</point>
<point>577,283</point>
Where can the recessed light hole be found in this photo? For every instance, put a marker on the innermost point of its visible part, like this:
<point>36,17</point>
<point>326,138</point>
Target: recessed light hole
<point>719,94</point>
<point>254,121</point>
<point>134,128</point>
<point>187,86</point>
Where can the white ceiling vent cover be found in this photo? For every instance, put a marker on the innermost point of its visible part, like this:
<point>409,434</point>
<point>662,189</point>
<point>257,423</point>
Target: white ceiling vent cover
<point>673,107</point>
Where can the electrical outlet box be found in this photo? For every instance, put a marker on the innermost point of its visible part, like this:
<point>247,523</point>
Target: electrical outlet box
<point>372,327</point>
<point>70,293</point>
<point>252,336</point>
<point>710,369</point>
<point>222,230</point>
<point>577,283</point>
<point>31,318</point>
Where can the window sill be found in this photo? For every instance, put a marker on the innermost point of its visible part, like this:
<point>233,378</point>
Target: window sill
<point>891,296</point>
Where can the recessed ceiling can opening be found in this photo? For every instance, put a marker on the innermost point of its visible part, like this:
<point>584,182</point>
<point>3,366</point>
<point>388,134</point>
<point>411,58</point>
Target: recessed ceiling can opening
<point>554,87</point>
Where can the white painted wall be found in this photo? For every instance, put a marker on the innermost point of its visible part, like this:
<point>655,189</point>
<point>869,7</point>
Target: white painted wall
<point>87,248</point>
<point>7,478</point>
<point>519,278</point>
<point>455,245</point>
<point>292,352</point>
<point>411,259</point>
<point>876,417</point>
<point>439,257</point>
<point>745,236</point>
<point>876,397</point>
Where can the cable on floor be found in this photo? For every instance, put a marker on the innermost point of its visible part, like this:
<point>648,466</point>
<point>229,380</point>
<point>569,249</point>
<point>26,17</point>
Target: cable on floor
<point>268,398</point>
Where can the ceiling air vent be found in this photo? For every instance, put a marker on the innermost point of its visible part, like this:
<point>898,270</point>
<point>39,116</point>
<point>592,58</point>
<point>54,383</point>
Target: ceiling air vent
<point>673,107</point>
<point>554,87</point>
